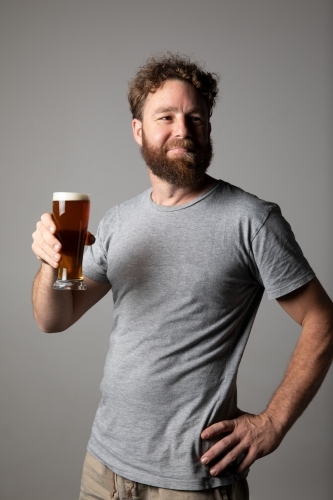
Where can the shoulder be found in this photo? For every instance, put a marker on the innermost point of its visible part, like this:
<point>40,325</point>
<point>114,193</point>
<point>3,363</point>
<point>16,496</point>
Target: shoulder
<point>241,207</point>
<point>125,208</point>
<point>128,209</point>
<point>234,197</point>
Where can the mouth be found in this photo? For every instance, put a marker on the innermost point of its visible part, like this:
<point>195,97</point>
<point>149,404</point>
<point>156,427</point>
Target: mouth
<point>180,147</point>
<point>179,150</point>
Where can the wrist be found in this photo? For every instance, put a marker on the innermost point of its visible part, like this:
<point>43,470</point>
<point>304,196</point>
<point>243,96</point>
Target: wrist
<point>42,261</point>
<point>275,420</point>
<point>47,272</point>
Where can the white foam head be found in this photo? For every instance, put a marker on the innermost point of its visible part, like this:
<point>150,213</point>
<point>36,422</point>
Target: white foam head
<point>63,196</point>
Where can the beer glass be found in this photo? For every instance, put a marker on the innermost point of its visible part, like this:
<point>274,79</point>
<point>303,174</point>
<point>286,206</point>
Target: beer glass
<point>71,216</point>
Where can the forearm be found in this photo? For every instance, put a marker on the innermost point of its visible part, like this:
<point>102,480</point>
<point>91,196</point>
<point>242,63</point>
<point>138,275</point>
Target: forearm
<point>57,310</point>
<point>306,371</point>
<point>53,309</point>
<point>254,436</point>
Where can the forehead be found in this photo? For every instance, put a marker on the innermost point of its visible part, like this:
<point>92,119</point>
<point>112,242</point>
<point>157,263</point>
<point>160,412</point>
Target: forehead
<point>176,95</point>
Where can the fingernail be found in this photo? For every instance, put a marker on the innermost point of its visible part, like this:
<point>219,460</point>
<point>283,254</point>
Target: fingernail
<point>204,435</point>
<point>52,229</point>
<point>204,460</point>
<point>213,472</point>
<point>56,246</point>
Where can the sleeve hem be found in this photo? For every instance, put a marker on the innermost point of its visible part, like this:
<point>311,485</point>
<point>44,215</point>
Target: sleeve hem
<point>275,294</point>
<point>99,279</point>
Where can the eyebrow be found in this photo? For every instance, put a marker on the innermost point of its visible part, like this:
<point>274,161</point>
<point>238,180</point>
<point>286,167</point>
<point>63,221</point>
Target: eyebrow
<point>169,109</point>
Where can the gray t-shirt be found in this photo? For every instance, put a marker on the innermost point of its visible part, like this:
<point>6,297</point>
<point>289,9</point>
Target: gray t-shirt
<point>187,282</point>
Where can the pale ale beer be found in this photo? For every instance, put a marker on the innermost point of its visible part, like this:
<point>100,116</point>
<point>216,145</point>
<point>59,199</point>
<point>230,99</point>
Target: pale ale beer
<point>71,216</point>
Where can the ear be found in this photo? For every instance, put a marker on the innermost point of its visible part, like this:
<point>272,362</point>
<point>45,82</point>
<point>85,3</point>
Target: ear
<point>137,130</point>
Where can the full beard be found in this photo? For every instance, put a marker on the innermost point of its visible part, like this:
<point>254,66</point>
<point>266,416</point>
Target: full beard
<point>185,171</point>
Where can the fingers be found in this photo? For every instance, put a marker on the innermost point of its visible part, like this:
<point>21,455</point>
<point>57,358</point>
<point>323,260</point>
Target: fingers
<point>45,245</point>
<point>218,428</point>
<point>230,459</point>
<point>247,461</point>
<point>232,448</point>
<point>90,239</point>
<point>229,442</point>
<point>248,437</point>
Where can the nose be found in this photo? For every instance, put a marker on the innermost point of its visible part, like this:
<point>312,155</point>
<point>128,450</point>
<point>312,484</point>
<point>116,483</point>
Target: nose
<point>182,128</point>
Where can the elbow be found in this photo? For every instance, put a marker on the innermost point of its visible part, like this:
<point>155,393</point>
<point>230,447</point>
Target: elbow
<point>46,329</point>
<point>50,327</point>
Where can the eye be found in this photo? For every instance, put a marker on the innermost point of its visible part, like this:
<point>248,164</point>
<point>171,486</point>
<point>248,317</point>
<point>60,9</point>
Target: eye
<point>196,119</point>
<point>165,118</point>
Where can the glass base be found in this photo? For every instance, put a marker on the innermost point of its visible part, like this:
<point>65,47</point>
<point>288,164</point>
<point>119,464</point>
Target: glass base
<point>69,285</point>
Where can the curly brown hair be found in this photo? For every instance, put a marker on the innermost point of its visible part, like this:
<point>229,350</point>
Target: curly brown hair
<point>174,67</point>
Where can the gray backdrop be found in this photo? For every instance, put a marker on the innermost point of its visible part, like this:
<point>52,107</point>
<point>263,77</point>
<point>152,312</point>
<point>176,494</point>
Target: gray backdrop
<point>65,126</point>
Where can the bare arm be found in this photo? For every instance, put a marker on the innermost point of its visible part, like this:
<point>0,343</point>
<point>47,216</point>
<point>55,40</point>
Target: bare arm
<point>313,310</point>
<point>54,310</point>
<point>258,435</point>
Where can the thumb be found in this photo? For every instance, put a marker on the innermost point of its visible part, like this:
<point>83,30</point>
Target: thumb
<point>90,239</point>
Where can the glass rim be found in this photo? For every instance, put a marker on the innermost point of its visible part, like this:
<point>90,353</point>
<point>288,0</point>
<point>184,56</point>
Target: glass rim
<point>70,196</point>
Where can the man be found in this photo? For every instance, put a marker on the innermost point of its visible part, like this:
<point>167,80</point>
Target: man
<point>188,262</point>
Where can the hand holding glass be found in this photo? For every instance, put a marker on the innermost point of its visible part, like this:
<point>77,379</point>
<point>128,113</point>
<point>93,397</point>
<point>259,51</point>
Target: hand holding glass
<point>71,216</point>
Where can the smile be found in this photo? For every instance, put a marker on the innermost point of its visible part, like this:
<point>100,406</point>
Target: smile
<point>179,150</point>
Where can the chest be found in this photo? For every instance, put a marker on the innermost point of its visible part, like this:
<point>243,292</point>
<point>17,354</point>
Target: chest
<point>195,254</point>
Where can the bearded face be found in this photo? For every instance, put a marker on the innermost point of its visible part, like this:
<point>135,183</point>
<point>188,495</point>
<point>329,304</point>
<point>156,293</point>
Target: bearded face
<point>186,170</point>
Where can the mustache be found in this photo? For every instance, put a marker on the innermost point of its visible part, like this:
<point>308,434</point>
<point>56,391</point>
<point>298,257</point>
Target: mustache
<point>180,143</point>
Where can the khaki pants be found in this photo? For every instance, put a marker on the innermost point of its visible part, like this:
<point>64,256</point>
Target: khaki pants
<point>100,483</point>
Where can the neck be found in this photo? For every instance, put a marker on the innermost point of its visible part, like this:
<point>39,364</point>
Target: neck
<point>169,195</point>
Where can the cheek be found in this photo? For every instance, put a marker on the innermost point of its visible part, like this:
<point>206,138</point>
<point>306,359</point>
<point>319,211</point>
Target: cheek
<point>203,137</point>
<point>159,137</point>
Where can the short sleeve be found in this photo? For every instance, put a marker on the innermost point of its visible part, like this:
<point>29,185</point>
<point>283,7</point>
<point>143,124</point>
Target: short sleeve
<point>281,264</point>
<point>95,261</point>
